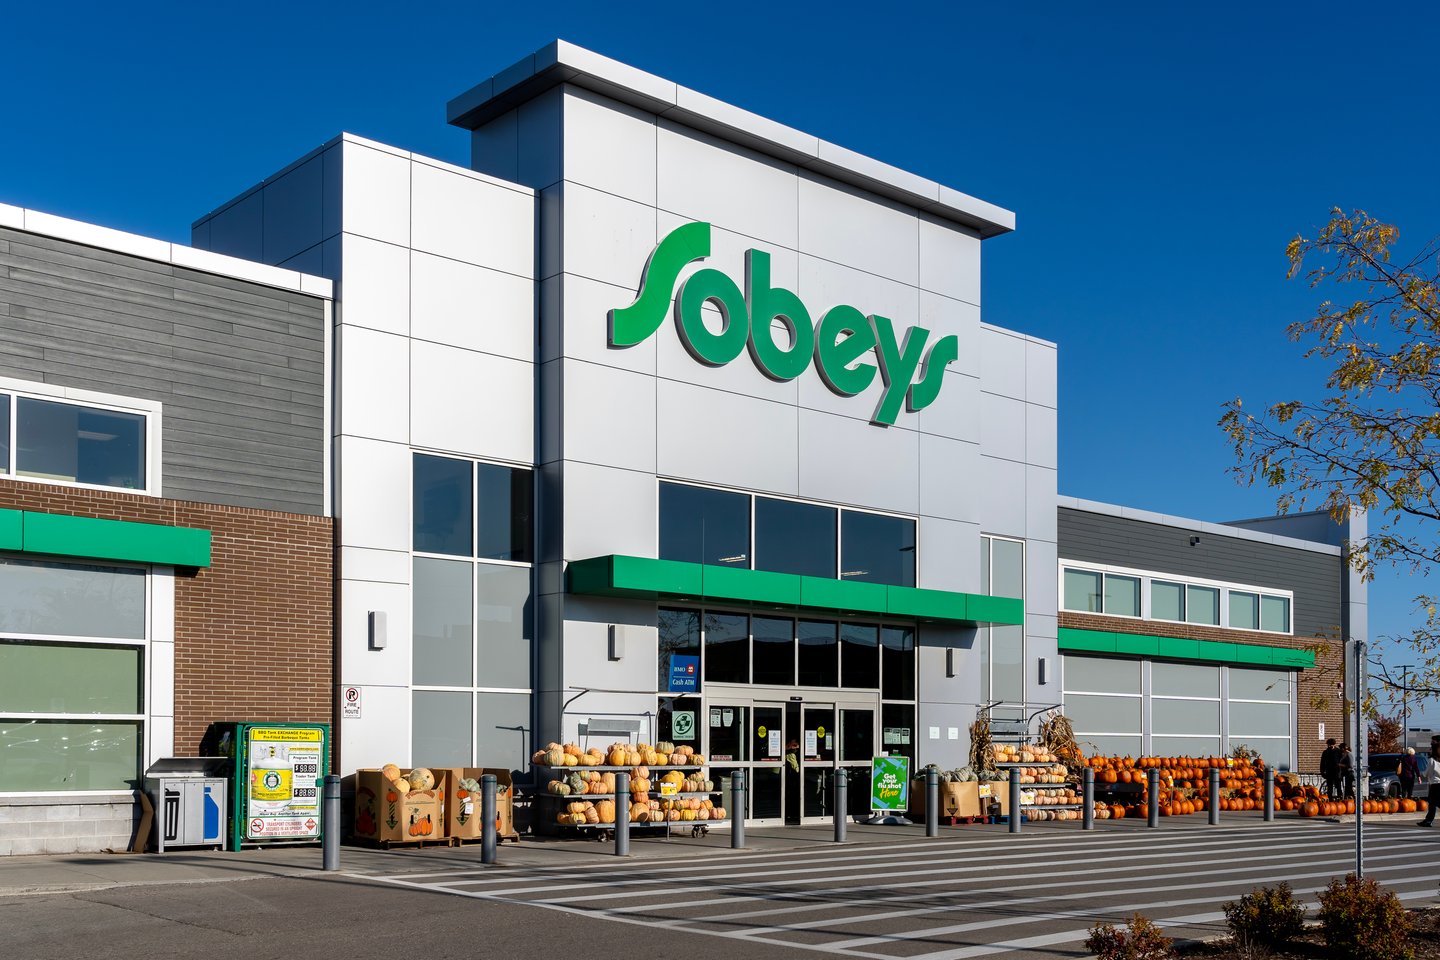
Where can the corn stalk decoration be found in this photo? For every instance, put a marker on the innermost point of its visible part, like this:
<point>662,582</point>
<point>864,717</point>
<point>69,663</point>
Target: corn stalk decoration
<point>1057,735</point>
<point>982,758</point>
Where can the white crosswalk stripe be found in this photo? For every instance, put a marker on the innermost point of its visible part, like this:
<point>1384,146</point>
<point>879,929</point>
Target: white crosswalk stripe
<point>991,895</point>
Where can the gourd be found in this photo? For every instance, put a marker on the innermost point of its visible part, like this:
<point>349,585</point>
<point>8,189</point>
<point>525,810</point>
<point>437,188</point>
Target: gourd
<point>664,747</point>
<point>649,757</point>
<point>571,760</point>
<point>591,814</point>
<point>677,759</point>
<point>391,772</point>
<point>617,756</point>
<point>606,811</point>
<point>402,786</point>
<point>422,779</point>
<point>632,758</point>
<point>555,757</point>
<point>573,750</point>
<point>640,773</point>
<point>576,806</point>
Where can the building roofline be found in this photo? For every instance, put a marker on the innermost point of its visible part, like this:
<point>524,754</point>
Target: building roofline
<point>563,62</point>
<point>1198,526</point>
<point>178,254</point>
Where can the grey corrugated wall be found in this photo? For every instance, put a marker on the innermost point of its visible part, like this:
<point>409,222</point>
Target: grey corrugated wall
<point>239,366</point>
<point>1314,577</point>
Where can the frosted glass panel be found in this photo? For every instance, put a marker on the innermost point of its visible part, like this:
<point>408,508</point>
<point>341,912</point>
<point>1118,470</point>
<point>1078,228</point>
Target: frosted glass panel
<point>1007,574</point>
<point>1261,719</point>
<point>1275,614</point>
<point>502,727</point>
<point>1184,680</point>
<point>1259,684</point>
<point>1111,746</point>
<point>444,631</point>
<point>1275,751</point>
<point>1185,746</point>
<point>1167,600</point>
<point>69,678</point>
<point>1007,664</point>
<point>1244,610</point>
<point>46,755</point>
<point>440,735</point>
<point>502,612</point>
<point>1098,675</point>
<point>1122,596</point>
<point>72,599</point>
<point>1185,717</point>
<point>1103,714</point>
<point>1082,591</point>
<point>1202,605</point>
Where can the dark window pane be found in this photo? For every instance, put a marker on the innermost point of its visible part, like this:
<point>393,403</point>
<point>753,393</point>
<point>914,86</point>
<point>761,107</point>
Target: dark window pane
<point>61,441</point>
<point>679,638</point>
<point>442,507</point>
<point>774,650</point>
<point>729,737</point>
<point>727,648</point>
<point>665,721</point>
<point>859,656</point>
<point>877,549</point>
<point>898,651</point>
<point>897,729</point>
<point>794,538</point>
<point>857,735</point>
<point>819,663</point>
<point>699,525</point>
<point>4,433</point>
<point>503,527</point>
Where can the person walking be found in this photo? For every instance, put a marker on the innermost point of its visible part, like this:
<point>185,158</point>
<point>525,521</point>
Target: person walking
<point>1346,770</point>
<point>1408,770</point>
<point>1432,782</point>
<point>1330,768</point>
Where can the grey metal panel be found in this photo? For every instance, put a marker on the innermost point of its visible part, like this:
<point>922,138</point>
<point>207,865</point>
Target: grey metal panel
<point>1315,578</point>
<point>238,366</point>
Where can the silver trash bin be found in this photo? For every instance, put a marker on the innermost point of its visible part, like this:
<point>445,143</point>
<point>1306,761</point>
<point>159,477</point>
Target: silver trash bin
<point>189,794</point>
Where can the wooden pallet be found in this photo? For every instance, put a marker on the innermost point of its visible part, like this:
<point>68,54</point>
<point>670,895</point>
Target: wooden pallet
<point>473,841</point>
<point>417,842</point>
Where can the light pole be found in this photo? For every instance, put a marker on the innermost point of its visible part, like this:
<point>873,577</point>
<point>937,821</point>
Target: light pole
<point>1404,705</point>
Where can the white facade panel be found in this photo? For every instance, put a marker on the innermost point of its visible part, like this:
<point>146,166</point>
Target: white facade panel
<point>392,666</point>
<point>609,416</point>
<point>376,198</point>
<point>376,292</point>
<point>607,238</point>
<point>462,305</point>
<point>375,513</point>
<point>374,384</point>
<point>949,260</point>
<point>948,555</point>
<point>845,226</point>
<point>727,439</point>
<point>380,566</point>
<point>948,478</point>
<point>956,412</point>
<point>1041,436</point>
<point>1001,509</point>
<point>569,306</point>
<point>853,462</point>
<point>1002,358</point>
<point>472,220</point>
<point>471,403</point>
<point>706,179</point>
<point>943,316</point>
<point>620,158</point>
<point>609,510</point>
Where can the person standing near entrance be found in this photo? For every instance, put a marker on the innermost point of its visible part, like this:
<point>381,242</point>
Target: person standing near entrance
<point>1432,782</point>
<point>1346,770</point>
<point>1330,769</point>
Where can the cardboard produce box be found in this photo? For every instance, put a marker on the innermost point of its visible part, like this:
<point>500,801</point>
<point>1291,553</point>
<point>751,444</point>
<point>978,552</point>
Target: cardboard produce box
<point>462,813</point>
<point>956,799</point>
<point>999,797</point>
<point>384,814</point>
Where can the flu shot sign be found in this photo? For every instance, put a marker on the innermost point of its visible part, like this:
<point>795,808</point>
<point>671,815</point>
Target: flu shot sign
<point>889,783</point>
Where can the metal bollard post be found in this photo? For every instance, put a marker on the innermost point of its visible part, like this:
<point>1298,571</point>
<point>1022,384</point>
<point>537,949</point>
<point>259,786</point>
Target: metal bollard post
<point>1015,813</point>
<point>489,811</point>
<point>622,814</point>
<point>932,801</point>
<point>1152,814</point>
<point>1087,799</point>
<point>737,810</point>
<point>1214,796</point>
<point>331,819</point>
<point>1269,794</point>
<point>842,791</point>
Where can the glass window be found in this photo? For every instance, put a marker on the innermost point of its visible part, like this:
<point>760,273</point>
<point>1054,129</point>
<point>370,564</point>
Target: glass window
<point>502,613</point>
<point>440,729</point>
<point>857,735</point>
<point>1184,746</point>
<point>897,730</point>
<point>1275,751</point>
<point>796,538</point>
<point>1082,591</point>
<point>504,496</point>
<point>728,740</point>
<point>1103,714</point>
<point>679,637</point>
<point>1275,614</point>
<point>699,525</point>
<point>1122,595</point>
<point>62,441</point>
<point>985,566</point>
<point>444,633</point>
<point>727,648</point>
<point>502,731</point>
<point>1110,746</point>
<point>1167,600</point>
<point>1099,675</point>
<point>72,599</point>
<point>897,646</point>
<point>442,505</point>
<point>1007,568</point>
<point>64,755</point>
<point>1184,680</point>
<point>819,663</point>
<point>1246,684</point>
<point>876,549</point>
<point>859,656</point>
<point>1244,610</point>
<point>69,678</point>
<point>1007,664</point>
<point>1260,719</point>
<point>1185,717</point>
<point>4,433</point>
<point>774,650</point>
<point>665,720</point>
<point>1202,605</point>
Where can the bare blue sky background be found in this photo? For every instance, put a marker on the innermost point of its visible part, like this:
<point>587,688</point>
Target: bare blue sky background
<point>1158,156</point>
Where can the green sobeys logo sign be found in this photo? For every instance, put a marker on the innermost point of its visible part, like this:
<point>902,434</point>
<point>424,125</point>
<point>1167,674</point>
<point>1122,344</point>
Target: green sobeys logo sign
<point>840,343</point>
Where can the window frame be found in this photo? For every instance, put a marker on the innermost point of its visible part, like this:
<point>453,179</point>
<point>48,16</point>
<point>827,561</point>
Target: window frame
<point>1149,577</point>
<point>150,411</point>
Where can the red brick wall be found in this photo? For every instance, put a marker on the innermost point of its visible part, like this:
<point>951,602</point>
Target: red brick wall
<point>1317,700</point>
<point>254,635</point>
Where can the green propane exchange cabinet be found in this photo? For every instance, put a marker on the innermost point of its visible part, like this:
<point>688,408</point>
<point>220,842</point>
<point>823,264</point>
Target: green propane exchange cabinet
<point>276,780</point>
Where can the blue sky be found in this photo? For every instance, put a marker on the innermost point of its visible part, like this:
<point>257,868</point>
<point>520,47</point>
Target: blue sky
<point>1158,157</point>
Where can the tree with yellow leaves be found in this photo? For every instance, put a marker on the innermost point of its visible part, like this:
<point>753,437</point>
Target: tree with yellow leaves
<point>1373,442</point>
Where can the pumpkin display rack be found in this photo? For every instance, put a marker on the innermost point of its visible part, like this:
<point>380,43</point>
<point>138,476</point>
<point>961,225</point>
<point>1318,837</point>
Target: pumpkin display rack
<point>1047,791</point>
<point>579,788</point>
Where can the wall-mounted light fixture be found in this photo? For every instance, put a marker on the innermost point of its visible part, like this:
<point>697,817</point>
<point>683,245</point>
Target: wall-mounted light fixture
<point>378,632</point>
<point>1040,673</point>
<point>949,661</point>
<point>1194,541</point>
<point>617,642</point>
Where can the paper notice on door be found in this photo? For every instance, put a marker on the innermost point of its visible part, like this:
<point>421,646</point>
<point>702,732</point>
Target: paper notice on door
<point>775,746</point>
<point>727,716</point>
<point>812,744</point>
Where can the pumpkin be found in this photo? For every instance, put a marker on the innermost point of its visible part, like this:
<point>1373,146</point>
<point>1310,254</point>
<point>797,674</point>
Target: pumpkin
<point>592,815</point>
<point>697,759</point>
<point>391,772</point>
<point>573,750</point>
<point>571,760</point>
<point>576,806</point>
<point>402,786</point>
<point>632,758</point>
<point>421,779</point>
<point>617,756</point>
<point>606,811</point>
<point>664,746</point>
<point>639,773</point>
<point>555,757</point>
<point>677,759</point>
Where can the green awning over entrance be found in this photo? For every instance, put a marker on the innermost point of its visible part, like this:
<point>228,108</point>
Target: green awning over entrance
<point>29,531</point>
<point>1075,640</point>
<point>641,578</point>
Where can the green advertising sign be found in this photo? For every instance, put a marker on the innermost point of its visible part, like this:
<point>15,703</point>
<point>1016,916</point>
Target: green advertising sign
<point>889,783</point>
<point>849,347</point>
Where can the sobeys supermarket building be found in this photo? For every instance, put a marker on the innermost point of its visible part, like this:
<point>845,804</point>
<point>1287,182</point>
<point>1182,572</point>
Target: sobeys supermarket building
<point>667,422</point>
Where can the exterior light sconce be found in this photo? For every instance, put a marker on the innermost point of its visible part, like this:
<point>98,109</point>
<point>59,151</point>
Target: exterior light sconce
<point>1040,673</point>
<point>378,632</point>
<point>949,661</point>
<point>1194,541</point>
<point>617,642</point>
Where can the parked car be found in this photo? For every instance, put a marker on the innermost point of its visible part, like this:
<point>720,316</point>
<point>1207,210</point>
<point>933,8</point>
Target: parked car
<point>1384,782</point>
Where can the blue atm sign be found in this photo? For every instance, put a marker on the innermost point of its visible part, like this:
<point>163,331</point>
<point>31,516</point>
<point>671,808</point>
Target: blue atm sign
<point>684,674</point>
